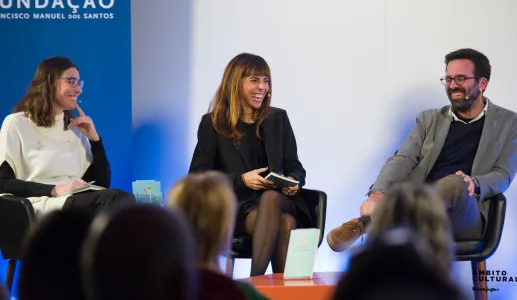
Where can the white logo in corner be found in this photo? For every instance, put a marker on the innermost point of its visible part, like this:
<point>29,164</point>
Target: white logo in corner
<point>61,9</point>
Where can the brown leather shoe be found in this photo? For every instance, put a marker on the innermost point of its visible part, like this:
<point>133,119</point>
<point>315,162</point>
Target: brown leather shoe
<point>342,237</point>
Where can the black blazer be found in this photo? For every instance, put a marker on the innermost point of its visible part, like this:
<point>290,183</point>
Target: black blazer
<point>214,152</point>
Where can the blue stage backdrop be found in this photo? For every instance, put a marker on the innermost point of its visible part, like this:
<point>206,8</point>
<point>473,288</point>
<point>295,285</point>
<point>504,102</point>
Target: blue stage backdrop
<point>96,35</point>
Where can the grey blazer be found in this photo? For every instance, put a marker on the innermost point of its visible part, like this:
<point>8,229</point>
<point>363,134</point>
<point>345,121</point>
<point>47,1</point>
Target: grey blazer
<point>495,164</point>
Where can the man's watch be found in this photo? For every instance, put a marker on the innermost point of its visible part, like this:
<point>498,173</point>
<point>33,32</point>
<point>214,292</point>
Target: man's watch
<point>477,191</point>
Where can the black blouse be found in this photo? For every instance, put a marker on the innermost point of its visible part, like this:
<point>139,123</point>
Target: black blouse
<point>258,154</point>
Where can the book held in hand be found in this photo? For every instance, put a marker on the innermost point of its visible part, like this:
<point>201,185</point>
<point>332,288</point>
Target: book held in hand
<point>281,181</point>
<point>84,188</point>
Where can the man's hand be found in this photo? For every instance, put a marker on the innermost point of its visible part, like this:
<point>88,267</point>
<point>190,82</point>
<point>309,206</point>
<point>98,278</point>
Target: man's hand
<point>469,181</point>
<point>369,205</point>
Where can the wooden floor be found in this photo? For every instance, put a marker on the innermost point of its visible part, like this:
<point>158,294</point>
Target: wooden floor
<point>274,286</point>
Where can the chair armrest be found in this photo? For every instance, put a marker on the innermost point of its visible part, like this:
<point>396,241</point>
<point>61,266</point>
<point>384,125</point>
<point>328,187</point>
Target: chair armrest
<point>16,215</point>
<point>319,201</point>
<point>495,224</point>
<point>10,203</point>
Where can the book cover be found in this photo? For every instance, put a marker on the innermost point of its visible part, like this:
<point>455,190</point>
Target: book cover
<point>280,180</point>
<point>147,191</point>
<point>301,253</point>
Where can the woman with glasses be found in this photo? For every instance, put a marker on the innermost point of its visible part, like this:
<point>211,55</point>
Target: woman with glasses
<point>46,153</point>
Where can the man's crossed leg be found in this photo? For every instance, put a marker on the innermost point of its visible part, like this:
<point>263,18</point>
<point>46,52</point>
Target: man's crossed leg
<point>457,194</point>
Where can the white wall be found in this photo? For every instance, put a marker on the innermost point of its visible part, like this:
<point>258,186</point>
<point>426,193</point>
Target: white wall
<point>160,45</point>
<point>352,76</point>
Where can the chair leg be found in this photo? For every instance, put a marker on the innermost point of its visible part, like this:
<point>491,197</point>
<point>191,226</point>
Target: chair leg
<point>229,266</point>
<point>9,278</point>
<point>479,287</point>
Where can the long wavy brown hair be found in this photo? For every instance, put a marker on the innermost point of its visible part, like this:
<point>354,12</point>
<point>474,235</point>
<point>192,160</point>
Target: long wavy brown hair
<point>420,207</point>
<point>39,100</point>
<point>230,99</point>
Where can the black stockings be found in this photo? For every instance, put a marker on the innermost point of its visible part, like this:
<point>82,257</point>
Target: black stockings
<point>270,226</point>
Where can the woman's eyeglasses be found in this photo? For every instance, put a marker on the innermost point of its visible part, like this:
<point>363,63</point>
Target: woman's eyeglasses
<point>74,82</point>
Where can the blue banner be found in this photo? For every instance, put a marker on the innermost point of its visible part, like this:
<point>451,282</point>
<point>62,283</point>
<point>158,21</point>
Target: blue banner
<point>95,35</point>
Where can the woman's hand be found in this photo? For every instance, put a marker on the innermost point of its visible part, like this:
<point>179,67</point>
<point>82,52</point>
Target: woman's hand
<point>289,191</point>
<point>254,181</point>
<point>68,186</point>
<point>85,125</point>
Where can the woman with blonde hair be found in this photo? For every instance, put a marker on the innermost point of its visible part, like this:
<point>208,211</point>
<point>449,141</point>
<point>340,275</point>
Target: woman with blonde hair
<point>419,207</point>
<point>209,203</point>
<point>246,138</point>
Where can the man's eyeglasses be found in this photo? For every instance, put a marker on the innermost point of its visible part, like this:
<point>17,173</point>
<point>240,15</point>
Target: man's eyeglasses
<point>459,79</point>
<point>74,82</point>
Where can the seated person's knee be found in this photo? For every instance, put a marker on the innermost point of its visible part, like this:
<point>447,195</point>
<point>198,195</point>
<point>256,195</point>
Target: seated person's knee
<point>271,194</point>
<point>119,197</point>
<point>270,197</point>
<point>454,183</point>
<point>287,222</point>
<point>453,179</point>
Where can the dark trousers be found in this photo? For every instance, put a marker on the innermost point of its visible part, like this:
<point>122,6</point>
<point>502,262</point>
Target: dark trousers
<point>96,201</point>
<point>463,210</point>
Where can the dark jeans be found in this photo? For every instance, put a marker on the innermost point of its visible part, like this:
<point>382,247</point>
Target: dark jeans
<point>96,201</point>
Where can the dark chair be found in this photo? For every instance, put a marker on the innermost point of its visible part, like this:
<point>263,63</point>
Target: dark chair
<point>478,251</point>
<point>317,201</point>
<point>16,216</point>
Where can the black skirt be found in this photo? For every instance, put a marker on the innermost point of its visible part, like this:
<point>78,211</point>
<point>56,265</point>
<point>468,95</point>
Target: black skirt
<point>246,207</point>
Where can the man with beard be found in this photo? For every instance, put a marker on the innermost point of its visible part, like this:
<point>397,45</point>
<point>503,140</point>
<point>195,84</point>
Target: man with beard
<point>467,150</point>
